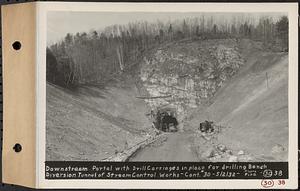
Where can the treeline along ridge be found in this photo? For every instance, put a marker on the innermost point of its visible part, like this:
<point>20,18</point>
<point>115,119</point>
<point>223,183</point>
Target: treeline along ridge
<point>98,56</point>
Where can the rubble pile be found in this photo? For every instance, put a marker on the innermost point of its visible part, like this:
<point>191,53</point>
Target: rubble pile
<point>208,147</point>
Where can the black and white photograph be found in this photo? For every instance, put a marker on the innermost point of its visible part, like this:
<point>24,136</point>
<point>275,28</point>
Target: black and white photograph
<point>167,86</point>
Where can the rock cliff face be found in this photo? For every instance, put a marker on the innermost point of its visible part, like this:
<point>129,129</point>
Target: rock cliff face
<point>185,74</point>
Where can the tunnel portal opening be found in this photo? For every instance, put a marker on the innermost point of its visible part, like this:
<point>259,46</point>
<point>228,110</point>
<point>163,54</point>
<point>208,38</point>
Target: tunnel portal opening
<point>164,119</point>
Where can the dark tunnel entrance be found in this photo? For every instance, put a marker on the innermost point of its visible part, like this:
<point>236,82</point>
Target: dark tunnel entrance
<point>165,120</point>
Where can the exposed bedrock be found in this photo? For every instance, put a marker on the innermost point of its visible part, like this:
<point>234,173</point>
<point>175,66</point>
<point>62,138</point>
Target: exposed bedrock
<point>186,74</point>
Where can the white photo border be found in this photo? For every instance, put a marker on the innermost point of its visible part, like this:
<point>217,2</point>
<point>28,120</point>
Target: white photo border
<point>44,7</point>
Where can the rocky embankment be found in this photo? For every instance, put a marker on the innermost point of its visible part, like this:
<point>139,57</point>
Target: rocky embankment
<point>209,147</point>
<point>253,104</point>
<point>187,73</point>
<point>236,84</point>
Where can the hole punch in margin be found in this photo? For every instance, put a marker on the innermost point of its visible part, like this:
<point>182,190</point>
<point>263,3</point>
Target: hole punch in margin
<point>17,45</point>
<point>17,148</point>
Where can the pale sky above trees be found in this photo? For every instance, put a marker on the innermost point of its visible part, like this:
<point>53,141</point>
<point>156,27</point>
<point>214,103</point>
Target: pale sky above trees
<point>61,23</point>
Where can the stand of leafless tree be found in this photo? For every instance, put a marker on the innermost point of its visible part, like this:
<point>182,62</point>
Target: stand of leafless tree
<point>92,58</point>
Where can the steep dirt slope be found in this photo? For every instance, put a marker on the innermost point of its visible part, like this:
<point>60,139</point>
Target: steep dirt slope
<point>93,123</point>
<point>254,104</point>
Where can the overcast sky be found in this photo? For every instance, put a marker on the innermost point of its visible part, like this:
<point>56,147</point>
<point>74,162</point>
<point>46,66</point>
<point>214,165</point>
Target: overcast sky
<point>63,22</point>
